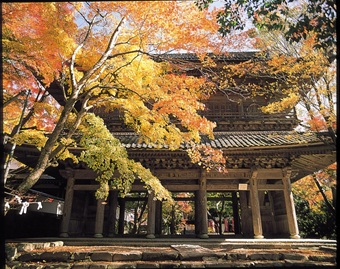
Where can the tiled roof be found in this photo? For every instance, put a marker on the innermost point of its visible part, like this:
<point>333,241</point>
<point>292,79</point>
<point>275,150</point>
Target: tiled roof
<point>234,140</point>
<point>230,56</point>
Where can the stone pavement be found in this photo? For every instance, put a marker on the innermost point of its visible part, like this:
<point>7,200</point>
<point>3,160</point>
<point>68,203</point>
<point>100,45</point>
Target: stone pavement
<point>109,253</point>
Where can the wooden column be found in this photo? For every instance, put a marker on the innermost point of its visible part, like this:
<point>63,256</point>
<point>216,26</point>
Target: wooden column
<point>289,202</point>
<point>272,211</point>
<point>99,222</point>
<point>236,215</point>
<point>113,213</point>
<point>69,175</point>
<point>202,206</point>
<point>121,220</point>
<point>151,216</point>
<point>198,215</point>
<point>172,221</point>
<point>255,205</point>
<point>158,218</point>
<point>85,212</point>
<point>246,227</point>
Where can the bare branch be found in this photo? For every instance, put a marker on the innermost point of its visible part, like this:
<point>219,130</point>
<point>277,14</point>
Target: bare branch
<point>104,57</point>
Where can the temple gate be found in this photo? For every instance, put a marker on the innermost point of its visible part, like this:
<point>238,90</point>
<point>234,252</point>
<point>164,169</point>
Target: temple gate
<point>265,156</point>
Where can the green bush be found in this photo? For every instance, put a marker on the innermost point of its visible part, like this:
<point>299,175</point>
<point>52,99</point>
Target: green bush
<point>315,224</point>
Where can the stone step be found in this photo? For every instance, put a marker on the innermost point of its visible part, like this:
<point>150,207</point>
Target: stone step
<point>174,264</point>
<point>48,255</point>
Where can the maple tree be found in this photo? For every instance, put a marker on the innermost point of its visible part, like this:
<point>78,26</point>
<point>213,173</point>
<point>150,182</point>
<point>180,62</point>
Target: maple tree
<point>318,187</point>
<point>292,76</point>
<point>296,40</point>
<point>309,76</point>
<point>296,76</point>
<point>98,55</point>
<point>318,16</point>
<point>175,216</point>
<point>315,199</point>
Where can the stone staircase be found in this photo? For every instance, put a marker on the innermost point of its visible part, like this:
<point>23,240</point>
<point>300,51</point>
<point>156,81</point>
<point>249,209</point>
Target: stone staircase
<point>182,254</point>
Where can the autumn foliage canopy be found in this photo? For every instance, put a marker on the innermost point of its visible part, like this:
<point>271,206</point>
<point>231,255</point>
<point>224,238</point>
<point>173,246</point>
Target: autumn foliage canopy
<point>99,55</point>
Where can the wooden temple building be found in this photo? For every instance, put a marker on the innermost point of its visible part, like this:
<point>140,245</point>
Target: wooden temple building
<point>264,157</point>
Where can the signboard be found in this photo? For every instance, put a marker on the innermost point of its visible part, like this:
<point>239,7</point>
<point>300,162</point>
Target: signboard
<point>243,187</point>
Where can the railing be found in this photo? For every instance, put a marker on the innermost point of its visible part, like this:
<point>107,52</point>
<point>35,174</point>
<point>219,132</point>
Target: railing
<point>226,120</point>
<point>248,116</point>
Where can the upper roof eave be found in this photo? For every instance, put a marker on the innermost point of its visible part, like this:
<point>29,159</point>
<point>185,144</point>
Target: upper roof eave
<point>222,57</point>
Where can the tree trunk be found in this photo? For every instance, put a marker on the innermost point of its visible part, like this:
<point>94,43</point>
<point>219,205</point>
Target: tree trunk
<point>329,205</point>
<point>44,158</point>
<point>47,152</point>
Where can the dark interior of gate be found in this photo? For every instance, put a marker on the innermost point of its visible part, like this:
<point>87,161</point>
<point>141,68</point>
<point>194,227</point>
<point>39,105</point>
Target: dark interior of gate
<point>253,200</point>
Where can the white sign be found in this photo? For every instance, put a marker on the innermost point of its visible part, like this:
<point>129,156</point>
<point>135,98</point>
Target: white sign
<point>243,187</point>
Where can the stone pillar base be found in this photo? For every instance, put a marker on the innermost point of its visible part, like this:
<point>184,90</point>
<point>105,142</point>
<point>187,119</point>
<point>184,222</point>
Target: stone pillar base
<point>150,236</point>
<point>258,236</point>
<point>203,236</point>
<point>64,235</point>
<point>98,235</point>
<point>295,236</point>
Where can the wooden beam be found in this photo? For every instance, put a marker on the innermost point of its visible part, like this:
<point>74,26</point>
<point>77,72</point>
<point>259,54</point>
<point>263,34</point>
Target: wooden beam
<point>188,174</point>
<point>191,187</point>
<point>233,187</point>
<point>270,187</point>
<point>86,187</point>
<point>80,173</point>
<point>222,187</point>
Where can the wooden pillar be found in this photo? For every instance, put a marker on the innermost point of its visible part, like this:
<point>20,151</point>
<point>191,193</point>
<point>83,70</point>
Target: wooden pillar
<point>235,213</point>
<point>121,221</point>
<point>246,222</point>
<point>198,215</point>
<point>158,218</point>
<point>202,206</point>
<point>69,175</point>
<point>99,222</point>
<point>113,212</point>
<point>289,202</point>
<point>172,221</point>
<point>272,212</point>
<point>151,216</point>
<point>85,212</point>
<point>255,205</point>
